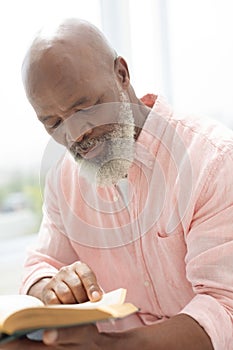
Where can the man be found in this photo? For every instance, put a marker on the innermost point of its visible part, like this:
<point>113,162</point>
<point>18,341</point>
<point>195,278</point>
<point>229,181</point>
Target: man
<point>143,199</point>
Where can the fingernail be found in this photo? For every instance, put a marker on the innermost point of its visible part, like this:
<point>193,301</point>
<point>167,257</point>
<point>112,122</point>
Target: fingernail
<point>96,295</point>
<point>50,336</point>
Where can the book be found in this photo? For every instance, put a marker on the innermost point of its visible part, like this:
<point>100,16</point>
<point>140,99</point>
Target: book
<point>22,314</point>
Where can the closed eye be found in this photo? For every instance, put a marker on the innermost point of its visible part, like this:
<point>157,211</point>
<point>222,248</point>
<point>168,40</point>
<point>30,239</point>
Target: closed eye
<point>54,126</point>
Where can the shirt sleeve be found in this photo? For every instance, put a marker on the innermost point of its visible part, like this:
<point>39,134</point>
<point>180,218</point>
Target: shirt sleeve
<point>209,259</point>
<point>53,248</point>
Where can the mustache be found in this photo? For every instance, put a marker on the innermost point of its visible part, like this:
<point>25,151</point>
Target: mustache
<point>78,148</point>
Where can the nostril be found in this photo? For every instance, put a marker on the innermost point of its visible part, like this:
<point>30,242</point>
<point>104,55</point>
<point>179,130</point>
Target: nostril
<point>73,139</point>
<point>84,135</point>
<point>79,139</point>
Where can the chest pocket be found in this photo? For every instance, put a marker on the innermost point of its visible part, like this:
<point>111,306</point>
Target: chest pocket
<point>165,259</point>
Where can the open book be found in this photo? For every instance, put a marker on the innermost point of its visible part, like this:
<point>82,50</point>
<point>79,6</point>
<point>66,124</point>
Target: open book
<point>22,314</point>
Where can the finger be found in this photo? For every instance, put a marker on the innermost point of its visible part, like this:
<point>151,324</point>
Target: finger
<point>50,297</point>
<point>50,337</point>
<point>64,293</point>
<point>57,291</point>
<point>89,281</point>
<point>68,275</point>
<point>75,285</point>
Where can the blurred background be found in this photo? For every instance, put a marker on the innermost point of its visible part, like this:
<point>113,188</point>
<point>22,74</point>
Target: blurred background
<point>181,49</point>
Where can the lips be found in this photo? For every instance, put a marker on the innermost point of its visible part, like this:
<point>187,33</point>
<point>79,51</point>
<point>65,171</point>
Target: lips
<point>88,150</point>
<point>93,151</point>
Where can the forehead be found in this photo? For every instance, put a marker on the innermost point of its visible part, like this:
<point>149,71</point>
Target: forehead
<point>59,80</point>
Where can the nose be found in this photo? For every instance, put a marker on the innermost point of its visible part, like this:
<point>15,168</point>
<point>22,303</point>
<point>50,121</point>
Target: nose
<point>76,132</point>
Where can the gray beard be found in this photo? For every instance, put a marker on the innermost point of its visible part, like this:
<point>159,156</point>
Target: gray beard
<point>117,156</point>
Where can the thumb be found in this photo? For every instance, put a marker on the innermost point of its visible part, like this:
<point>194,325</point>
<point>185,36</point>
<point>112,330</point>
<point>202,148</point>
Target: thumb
<point>50,337</point>
<point>70,335</point>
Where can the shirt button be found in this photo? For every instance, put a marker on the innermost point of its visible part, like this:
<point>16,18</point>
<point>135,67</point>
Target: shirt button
<point>115,198</point>
<point>146,283</point>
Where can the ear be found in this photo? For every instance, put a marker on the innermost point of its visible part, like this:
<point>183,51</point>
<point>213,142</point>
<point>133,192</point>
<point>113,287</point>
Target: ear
<point>122,72</point>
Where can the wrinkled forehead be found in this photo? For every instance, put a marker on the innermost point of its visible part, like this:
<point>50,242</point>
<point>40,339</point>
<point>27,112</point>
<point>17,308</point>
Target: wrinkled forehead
<point>55,61</point>
<point>59,72</point>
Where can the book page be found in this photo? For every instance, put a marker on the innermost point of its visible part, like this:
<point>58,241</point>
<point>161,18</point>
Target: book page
<point>12,303</point>
<point>111,298</point>
<point>31,314</point>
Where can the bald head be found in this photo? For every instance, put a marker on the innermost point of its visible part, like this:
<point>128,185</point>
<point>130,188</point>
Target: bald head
<point>70,67</point>
<point>75,35</point>
<point>72,47</point>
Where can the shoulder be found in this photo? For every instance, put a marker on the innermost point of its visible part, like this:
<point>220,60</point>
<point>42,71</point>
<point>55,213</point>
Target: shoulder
<point>194,131</point>
<point>196,148</point>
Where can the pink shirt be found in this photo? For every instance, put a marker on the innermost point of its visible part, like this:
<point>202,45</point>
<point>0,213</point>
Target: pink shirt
<point>165,234</point>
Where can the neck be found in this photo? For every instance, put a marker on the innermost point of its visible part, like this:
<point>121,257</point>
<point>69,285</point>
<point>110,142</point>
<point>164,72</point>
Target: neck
<point>140,111</point>
<point>140,115</point>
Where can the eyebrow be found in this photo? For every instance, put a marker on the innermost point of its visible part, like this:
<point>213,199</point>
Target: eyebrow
<point>77,103</point>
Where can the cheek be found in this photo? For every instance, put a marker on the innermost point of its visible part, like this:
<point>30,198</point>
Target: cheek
<point>58,135</point>
<point>102,130</point>
<point>73,128</point>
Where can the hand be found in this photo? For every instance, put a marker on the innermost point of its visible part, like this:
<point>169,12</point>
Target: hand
<point>75,283</point>
<point>184,333</point>
<point>73,338</point>
<point>24,344</point>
